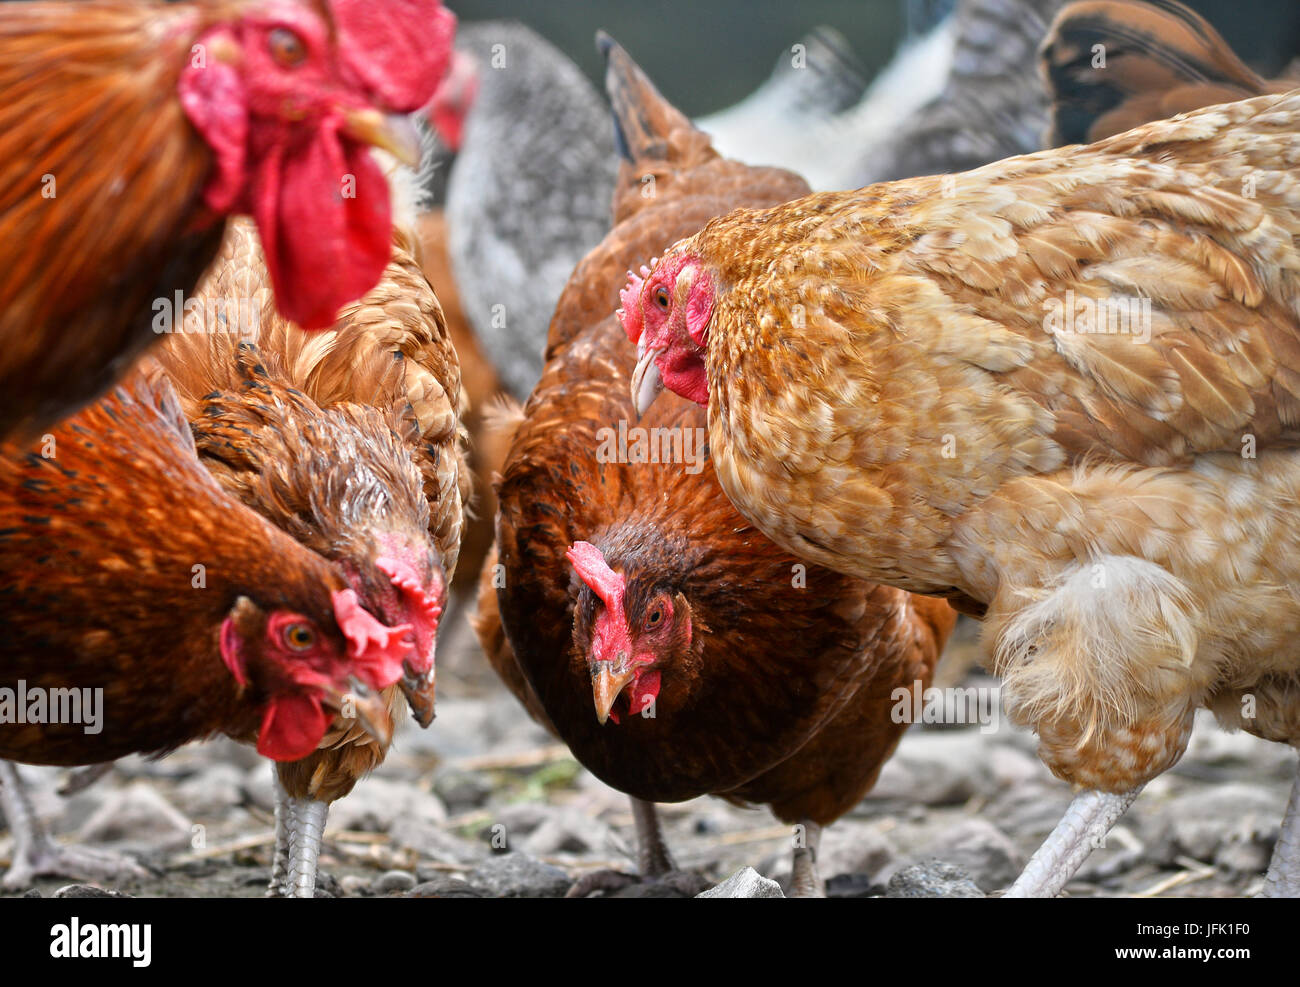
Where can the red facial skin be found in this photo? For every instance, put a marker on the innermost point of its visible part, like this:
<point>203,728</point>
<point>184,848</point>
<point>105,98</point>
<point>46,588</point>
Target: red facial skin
<point>669,313</point>
<point>301,666</point>
<point>274,94</point>
<point>614,643</point>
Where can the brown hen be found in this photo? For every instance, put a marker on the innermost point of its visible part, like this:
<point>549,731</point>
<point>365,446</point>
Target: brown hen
<point>125,569</point>
<point>717,663</point>
<point>349,440</point>
<point>1065,387</point>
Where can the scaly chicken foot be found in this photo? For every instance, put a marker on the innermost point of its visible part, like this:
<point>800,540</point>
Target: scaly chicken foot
<point>653,860</point>
<point>1283,877</point>
<point>805,881</point>
<point>36,855</point>
<point>299,831</point>
<point>1088,819</point>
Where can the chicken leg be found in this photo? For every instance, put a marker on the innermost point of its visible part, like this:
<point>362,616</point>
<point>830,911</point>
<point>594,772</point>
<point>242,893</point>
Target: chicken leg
<point>805,881</point>
<point>35,854</point>
<point>654,862</point>
<point>1283,877</point>
<point>1089,817</point>
<point>299,830</point>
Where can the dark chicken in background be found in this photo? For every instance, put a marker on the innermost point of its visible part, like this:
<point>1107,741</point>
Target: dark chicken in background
<point>349,440</point>
<point>124,567</point>
<point>133,129</point>
<point>716,664</point>
<point>1160,59</point>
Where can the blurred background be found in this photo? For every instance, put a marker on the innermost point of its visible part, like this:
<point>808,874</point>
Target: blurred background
<point>680,42</point>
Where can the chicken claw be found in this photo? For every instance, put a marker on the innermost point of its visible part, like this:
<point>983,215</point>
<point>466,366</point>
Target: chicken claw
<point>36,855</point>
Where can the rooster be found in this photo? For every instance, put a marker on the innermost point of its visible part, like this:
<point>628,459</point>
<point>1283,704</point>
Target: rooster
<point>1160,58</point>
<point>136,127</point>
<point>714,661</point>
<point>1064,389</point>
<point>124,568</point>
<point>349,440</point>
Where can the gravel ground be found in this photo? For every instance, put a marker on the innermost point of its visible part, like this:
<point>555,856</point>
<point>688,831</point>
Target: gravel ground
<point>485,804</point>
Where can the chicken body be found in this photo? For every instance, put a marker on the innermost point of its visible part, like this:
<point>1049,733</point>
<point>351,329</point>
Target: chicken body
<point>125,569</point>
<point>772,683</point>
<point>349,440</point>
<point>949,420</point>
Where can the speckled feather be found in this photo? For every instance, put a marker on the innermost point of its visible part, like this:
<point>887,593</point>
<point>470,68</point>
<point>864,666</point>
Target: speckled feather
<point>331,435</point>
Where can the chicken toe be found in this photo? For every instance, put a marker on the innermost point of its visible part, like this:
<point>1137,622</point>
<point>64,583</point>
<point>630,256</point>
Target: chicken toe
<point>1082,828</point>
<point>35,854</point>
<point>1283,878</point>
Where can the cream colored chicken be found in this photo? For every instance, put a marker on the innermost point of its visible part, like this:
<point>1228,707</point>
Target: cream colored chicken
<point>1063,389</point>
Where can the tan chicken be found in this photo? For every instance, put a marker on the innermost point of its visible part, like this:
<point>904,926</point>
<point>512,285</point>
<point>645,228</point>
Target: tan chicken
<point>1064,388</point>
<point>349,440</point>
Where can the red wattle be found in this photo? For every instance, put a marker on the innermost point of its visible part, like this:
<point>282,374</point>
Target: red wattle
<point>323,214</point>
<point>293,726</point>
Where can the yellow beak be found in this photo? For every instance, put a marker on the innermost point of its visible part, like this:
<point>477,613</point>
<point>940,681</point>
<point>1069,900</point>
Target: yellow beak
<point>394,133</point>
<point>606,686</point>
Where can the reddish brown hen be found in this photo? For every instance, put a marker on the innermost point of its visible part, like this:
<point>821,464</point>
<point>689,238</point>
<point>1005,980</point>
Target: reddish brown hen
<point>349,440</point>
<point>717,663</point>
<point>132,128</point>
<point>125,568</point>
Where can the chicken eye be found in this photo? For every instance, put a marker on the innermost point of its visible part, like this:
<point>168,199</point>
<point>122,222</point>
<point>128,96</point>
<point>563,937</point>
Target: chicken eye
<point>656,615</point>
<point>298,637</point>
<point>661,297</point>
<point>286,47</point>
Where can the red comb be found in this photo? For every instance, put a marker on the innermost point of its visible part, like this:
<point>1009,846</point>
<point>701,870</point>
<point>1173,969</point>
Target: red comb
<point>400,49</point>
<point>375,649</point>
<point>593,570</point>
<point>630,314</point>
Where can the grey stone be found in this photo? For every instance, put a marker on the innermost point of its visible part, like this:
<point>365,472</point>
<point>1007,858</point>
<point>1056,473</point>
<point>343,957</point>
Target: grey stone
<point>517,875</point>
<point>1197,824</point>
<point>745,883</point>
<point>376,804</point>
<point>462,791</point>
<point>985,853</point>
<point>394,881</point>
<point>932,879</point>
<point>436,843</point>
<point>86,891</point>
<point>213,792</point>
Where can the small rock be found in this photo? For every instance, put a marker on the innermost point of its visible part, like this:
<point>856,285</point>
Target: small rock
<point>32,893</point>
<point>850,847</point>
<point>394,881</point>
<point>445,887</point>
<point>86,891</point>
<point>932,879</point>
<point>985,853</point>
<point>354,884</point>
<point>258,787</point>
<point>462,791</point>
<point>745,883</point>
<point>516,875</point>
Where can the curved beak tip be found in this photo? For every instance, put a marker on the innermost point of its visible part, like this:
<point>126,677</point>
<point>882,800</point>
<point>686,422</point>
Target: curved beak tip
<point>606,687</point>
<point>394,133</point>
<point>647,381</point>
